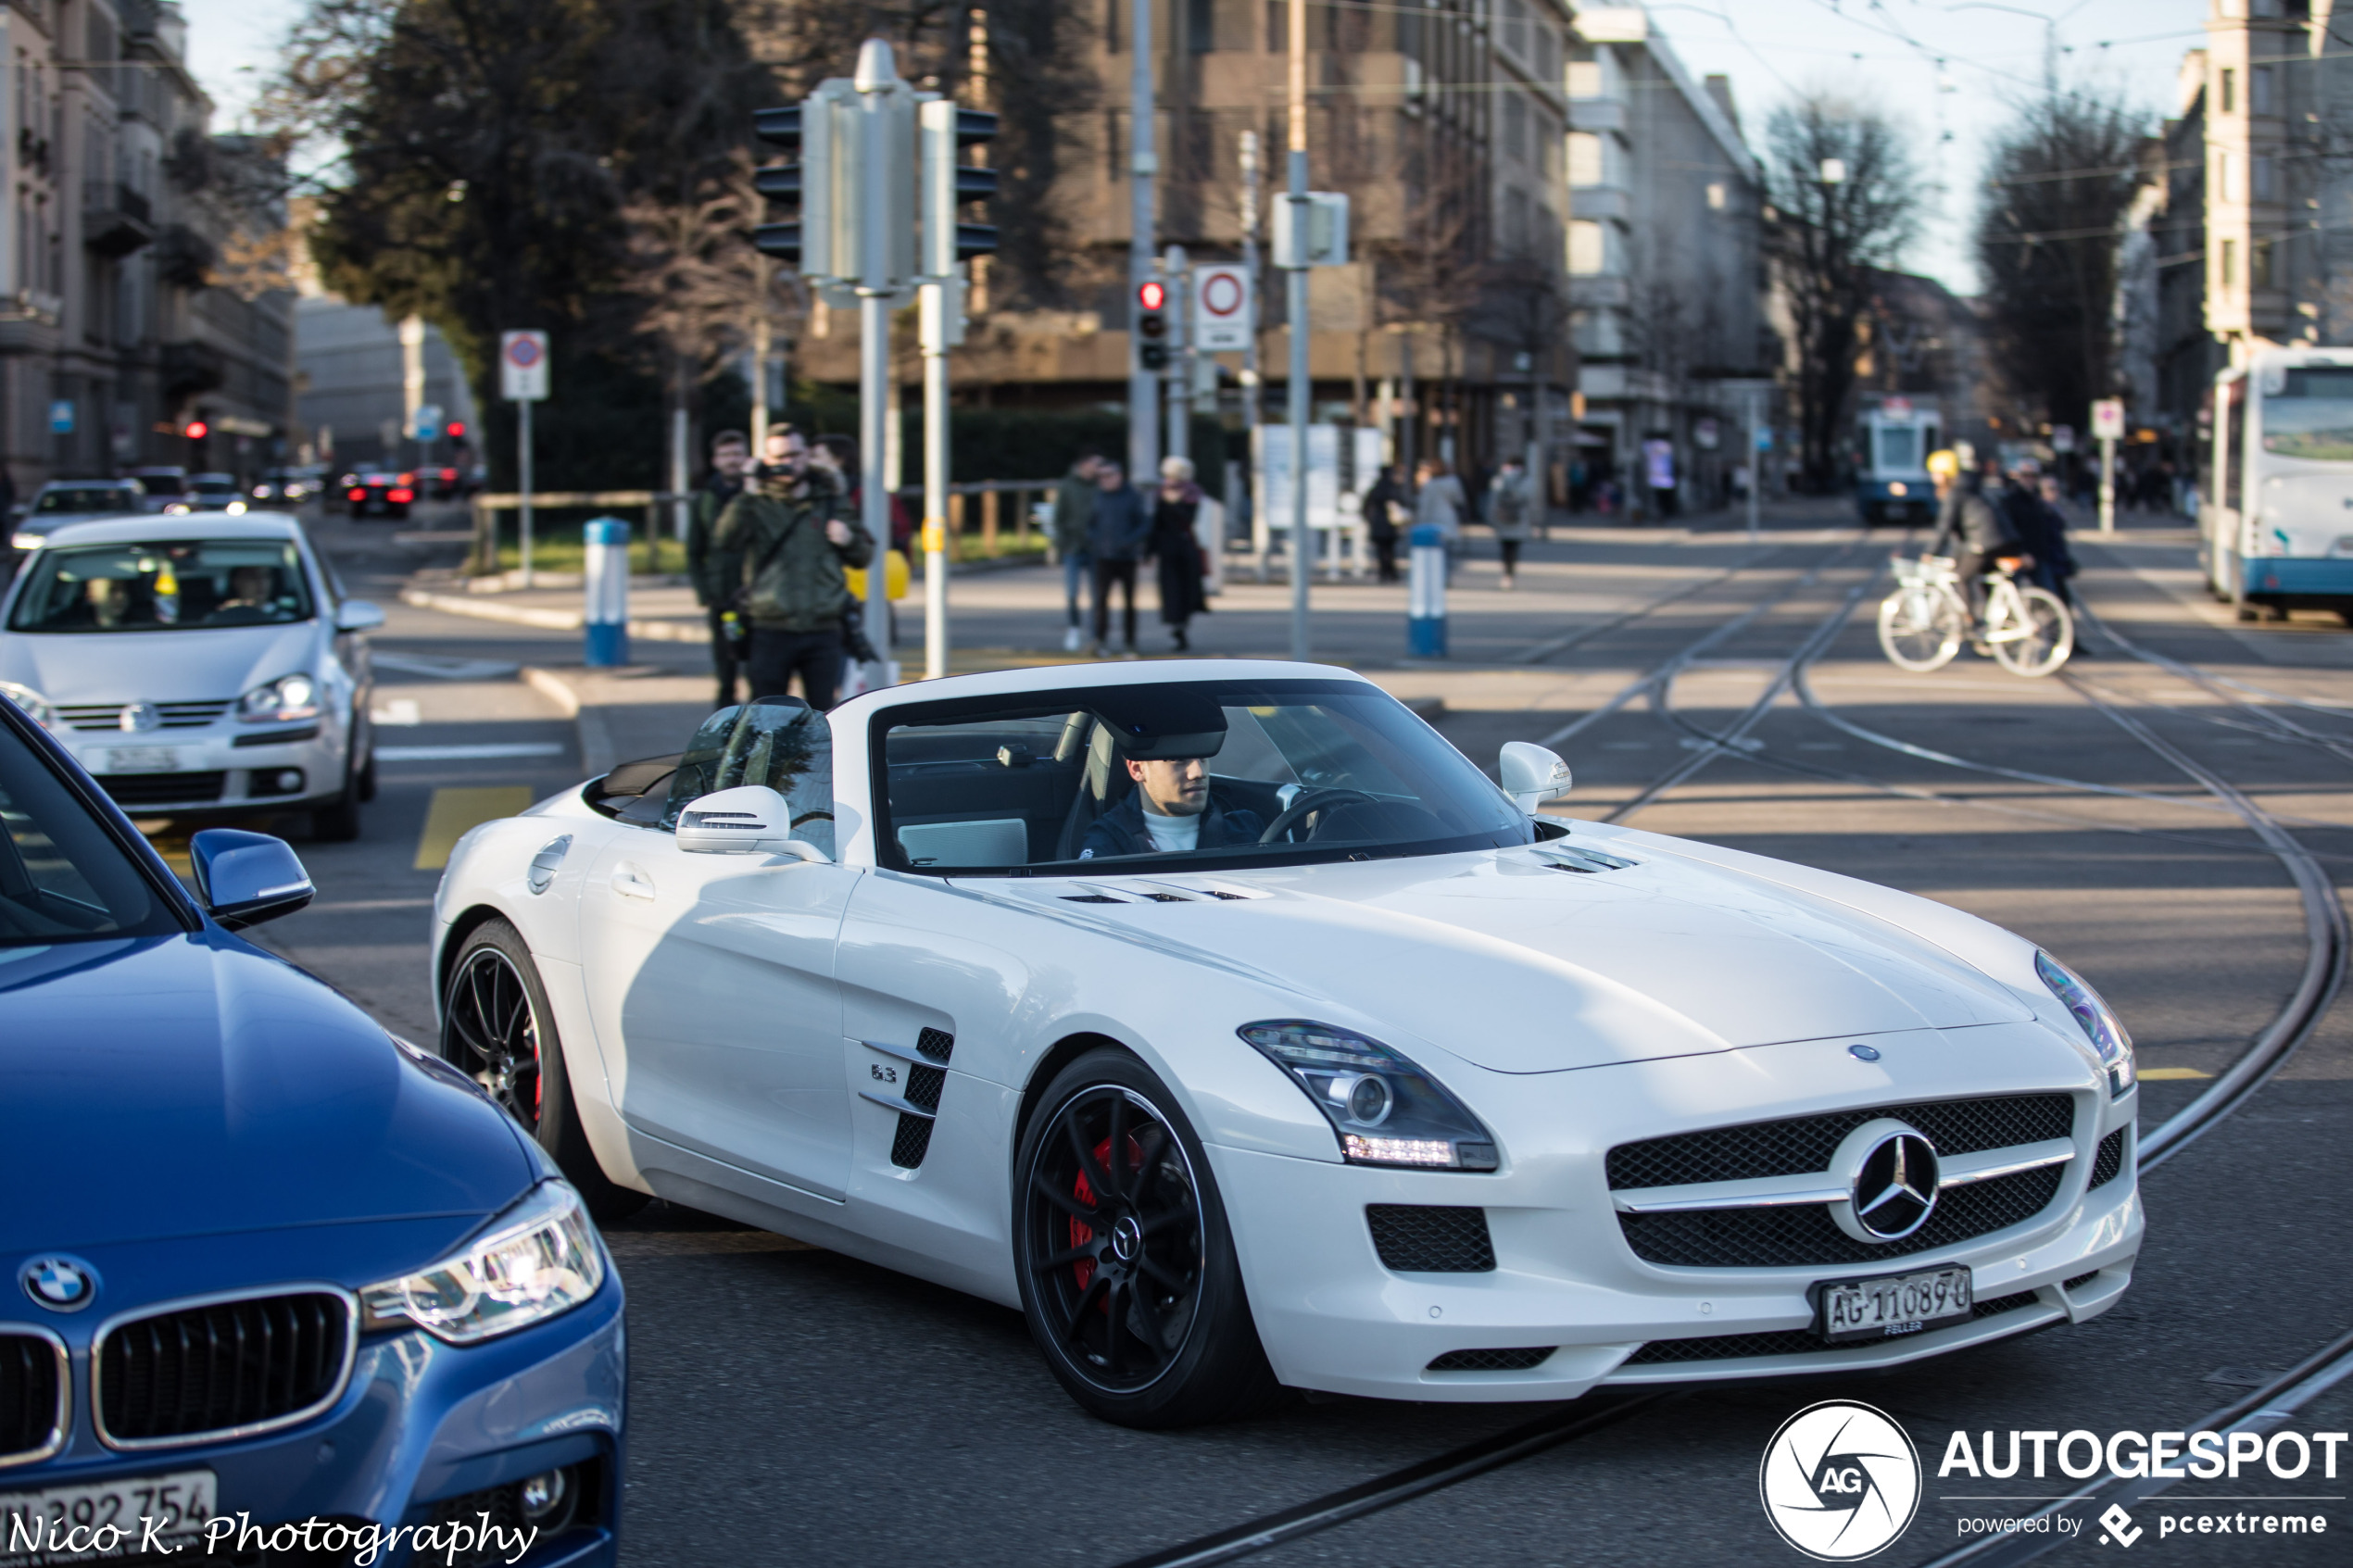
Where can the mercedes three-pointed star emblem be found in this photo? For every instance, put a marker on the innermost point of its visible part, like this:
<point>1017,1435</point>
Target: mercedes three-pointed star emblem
<point>1896,1185</point>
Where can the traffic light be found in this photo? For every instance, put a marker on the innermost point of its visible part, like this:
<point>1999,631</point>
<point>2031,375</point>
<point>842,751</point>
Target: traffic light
<point>197,429</point>
<point>831,184</point>
<point>1151,324</point>
<point>948,184</point>
<point>787,184</point>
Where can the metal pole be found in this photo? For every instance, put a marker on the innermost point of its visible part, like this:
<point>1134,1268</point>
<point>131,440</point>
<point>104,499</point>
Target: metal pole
<point>523,464</point>
<point>936,481</point>
<point>1180,320</point>
<point>681,467</point>
<point>2107,484</point>
<point>1302,553</point>
<point>1251,395</point>
<point>1143,386</point>
<point>1756,460</point>
<point>873,337</point>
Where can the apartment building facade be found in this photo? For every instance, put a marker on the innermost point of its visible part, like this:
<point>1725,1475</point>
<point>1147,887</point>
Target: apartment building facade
<point>139,287</point>
<point>1665,260</point>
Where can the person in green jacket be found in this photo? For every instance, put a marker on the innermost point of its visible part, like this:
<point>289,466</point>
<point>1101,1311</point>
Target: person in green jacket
<point>795,535</point>
<point>715,572</point>
<point>1074,522</point>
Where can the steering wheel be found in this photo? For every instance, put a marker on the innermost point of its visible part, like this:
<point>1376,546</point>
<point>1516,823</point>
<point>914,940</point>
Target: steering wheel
<point>1308,803</point>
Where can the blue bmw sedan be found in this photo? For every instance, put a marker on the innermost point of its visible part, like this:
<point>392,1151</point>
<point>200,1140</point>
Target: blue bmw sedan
<point>278,1287</point>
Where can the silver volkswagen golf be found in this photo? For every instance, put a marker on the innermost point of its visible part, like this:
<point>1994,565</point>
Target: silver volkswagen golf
<point>198,665</point>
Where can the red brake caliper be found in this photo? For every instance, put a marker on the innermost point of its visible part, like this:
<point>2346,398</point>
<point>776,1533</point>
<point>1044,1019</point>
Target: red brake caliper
<point>1082,1233</point>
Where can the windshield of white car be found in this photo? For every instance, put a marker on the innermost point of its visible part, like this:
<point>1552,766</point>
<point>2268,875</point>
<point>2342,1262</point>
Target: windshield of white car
<point>63,878</point>
<point>1181,775</point>
<point>173,586</point>
<point>95,498</point>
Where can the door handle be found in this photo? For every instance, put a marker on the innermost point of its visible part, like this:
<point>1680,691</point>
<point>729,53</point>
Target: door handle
<point>632,883</point>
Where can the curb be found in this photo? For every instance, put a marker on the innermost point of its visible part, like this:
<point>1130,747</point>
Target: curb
<point>547,620</point>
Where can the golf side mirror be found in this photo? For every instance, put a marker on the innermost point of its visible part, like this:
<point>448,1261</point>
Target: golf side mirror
<point>1531,775</point>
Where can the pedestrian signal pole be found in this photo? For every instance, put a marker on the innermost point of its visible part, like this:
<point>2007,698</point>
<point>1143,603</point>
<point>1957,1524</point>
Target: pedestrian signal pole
<point>947,183</point>
<point>1143,378</point>
<point>1179,277</point>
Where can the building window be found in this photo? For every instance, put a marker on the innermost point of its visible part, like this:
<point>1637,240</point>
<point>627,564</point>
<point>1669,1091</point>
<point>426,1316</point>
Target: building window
<point>1515,26</point>
<point>1588,248</point>
<point>1585,158</point>
<point>1111,170</point>
<point>2230,91</point>
<point>1200,26</point>
<point>1584,78</point>
<point>2258,265</point>
<point>2227,271</point>
<point>1113,24</point>
<point>2233,184</point>
<point>1515,126</point>
<point>2264,179</point>
<point>1516,222</point>
<point>2258,91</point>
<point>1717,196</point>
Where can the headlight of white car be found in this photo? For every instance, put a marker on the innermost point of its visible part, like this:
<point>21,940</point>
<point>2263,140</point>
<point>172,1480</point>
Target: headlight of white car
<point>537,1260</point>
<point>1387,1111</point>
<point>2099,1020</point>
<point>35,706</point>
<point>288,697</point>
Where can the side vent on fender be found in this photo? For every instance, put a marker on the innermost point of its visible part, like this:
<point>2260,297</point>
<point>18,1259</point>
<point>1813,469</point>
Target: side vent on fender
<point>913,1140</point>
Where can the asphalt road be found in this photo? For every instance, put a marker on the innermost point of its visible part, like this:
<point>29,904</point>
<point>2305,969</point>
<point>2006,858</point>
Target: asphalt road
<point>793,1406</point>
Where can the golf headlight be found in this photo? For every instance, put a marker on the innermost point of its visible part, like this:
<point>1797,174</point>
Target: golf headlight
<point>35,706</point>
<point>1387,1111</point>
<point>2099,1020</point>
<point>285,699</point>
<point>537,1260</point>
<point>26,541</point>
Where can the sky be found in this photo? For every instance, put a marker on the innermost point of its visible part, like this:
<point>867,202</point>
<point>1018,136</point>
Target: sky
<point>1950,71</point>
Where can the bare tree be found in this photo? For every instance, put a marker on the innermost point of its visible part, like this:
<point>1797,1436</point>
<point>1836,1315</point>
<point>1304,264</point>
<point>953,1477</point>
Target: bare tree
<point>1843,202</point>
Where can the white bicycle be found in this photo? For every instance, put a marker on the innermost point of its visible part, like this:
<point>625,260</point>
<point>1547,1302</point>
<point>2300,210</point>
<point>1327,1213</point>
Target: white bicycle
<point>1922,624</point>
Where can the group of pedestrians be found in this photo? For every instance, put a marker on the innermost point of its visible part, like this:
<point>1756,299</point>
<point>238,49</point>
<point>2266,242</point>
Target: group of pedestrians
<point>1436,499</point>
<point>1104,529</point>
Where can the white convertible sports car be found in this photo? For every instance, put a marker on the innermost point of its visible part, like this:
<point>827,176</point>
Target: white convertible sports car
<point>1230,1024</point>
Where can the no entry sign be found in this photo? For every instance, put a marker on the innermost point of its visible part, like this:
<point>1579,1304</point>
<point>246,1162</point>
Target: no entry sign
<point>1222,310</point>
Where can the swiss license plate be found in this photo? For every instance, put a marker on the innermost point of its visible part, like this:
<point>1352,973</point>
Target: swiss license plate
<point>103,1518</point>
<point>139,759</point>
<point>1890,1304</point>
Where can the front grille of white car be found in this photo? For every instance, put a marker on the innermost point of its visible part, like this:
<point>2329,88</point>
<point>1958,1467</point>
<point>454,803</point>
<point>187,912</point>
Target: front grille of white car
<point>1751,1233</point>
<point>1421,1238</point>
<point>174,715</point>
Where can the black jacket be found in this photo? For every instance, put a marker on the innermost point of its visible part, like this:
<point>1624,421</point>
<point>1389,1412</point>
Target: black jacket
<point>1121,830</point>
<point>1975,521</point>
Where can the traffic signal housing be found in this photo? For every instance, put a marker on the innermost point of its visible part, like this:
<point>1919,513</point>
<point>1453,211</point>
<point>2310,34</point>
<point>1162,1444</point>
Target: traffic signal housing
<point>1151,324</point>
<point>787,184</point>
<point>949,183</point>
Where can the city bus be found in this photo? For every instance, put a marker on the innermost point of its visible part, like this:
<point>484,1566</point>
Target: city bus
<point>1892,442</point>
<point>2276,501</point>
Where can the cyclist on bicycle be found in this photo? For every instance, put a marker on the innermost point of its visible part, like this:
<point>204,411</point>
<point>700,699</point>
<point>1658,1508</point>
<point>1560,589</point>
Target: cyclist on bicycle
<point>1983,536</point>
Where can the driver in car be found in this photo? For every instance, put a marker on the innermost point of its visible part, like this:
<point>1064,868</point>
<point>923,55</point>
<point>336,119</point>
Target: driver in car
<point>1172,810</point>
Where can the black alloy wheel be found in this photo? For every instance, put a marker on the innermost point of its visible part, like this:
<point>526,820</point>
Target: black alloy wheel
<point>490,1031</point>
<point>498,1029</point>
<point>1127,1271</point>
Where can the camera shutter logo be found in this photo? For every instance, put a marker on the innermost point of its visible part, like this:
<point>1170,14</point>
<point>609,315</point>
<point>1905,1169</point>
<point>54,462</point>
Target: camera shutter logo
<point>1841,1481</point>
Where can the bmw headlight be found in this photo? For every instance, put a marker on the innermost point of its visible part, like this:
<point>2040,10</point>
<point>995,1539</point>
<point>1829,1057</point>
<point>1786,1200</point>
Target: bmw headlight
<point>1387,1111</point>
<point>35,706</point>
<point>2099,1020</point>
<point>283,699</point>
<point>537,1260</point>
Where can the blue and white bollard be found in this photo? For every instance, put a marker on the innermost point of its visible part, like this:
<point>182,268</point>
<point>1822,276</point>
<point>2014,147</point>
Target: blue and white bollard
<point>1426,592</point>
<point>608,589</point>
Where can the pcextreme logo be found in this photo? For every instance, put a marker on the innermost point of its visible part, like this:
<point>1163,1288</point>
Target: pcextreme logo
<point>1839,1481</point>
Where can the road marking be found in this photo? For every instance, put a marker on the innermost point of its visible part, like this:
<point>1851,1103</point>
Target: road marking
<point>455,810</point>
<point>468,753</point>
<point>2163,1073</point>
<point>441,669</point>
<point>401,710</point>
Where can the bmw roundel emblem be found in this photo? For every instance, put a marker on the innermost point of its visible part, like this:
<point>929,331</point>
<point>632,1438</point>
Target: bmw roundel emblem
<point>59,1283</point>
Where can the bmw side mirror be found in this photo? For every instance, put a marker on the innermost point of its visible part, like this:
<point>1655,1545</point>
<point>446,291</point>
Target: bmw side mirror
<point>358,615</point>
<point>1531,776</point>
<point>246,878</point>
<point>746,819</point>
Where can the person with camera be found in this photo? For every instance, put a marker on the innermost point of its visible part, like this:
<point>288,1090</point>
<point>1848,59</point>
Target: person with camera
<point>796,534</point>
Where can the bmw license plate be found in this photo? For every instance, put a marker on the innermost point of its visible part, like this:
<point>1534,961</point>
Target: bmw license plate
<point>139,759</point>
<point>103,1518</point>
<point>1882,1308</point>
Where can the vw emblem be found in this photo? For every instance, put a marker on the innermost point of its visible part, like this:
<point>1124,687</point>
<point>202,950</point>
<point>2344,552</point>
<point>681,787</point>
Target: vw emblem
<point>139,716</point>
<point>60,1284</point>
<point>1896,1185</point>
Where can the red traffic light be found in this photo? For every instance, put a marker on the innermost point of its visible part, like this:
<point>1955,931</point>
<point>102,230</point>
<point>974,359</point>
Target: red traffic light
<point>197,429</point>
<point>1152,295</point>
<point>457,430</point>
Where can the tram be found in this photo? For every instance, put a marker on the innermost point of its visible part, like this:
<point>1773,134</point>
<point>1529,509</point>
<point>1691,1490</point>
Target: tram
<point>1892,442</point>
<point>2276,518</point>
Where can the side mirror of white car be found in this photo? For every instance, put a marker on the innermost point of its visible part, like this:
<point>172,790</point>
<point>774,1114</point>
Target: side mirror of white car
<point>358,615</point>
<point>1531,775</point>
<point>747,820</point>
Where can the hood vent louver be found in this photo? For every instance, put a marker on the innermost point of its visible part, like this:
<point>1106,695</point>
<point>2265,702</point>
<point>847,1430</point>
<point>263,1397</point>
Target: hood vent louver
<point>1561,858</point>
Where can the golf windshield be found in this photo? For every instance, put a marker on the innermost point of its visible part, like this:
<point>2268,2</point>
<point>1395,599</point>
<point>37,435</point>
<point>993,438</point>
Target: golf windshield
<point>175,586</point>
<point>1191,775</point>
